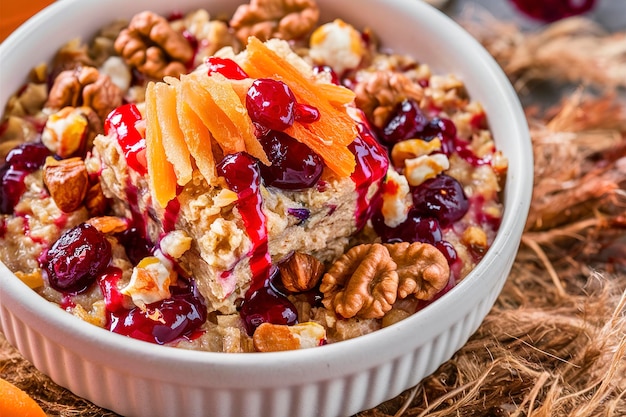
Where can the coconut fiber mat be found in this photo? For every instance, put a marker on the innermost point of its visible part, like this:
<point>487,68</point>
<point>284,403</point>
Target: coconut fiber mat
<point>554,343</point>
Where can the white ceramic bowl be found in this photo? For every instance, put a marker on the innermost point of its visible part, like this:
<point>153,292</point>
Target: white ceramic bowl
<point>135,378</point>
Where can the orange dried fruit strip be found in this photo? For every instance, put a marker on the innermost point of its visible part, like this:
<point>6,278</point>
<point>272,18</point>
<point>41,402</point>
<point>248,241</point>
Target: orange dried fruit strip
<point>218,123</point>
<point>174,144</point>
<point>161,175</point>
<point>198,138</point>
<point>228,101</point>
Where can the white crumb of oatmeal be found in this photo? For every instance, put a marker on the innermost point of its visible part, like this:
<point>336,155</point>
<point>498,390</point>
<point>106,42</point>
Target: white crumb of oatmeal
<point>64,131</point>
<point>417,170</point>
<point>396,199</point>
<point>150,281</point>
<point>310,334</point>
<point>338,45</point>
<point>175,243</point>
<point>118,72</point>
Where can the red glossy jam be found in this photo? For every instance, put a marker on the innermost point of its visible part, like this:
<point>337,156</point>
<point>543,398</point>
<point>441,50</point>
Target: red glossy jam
<point>227,67</point>
<point>242,175</point>
<point>271,104</point>
<point>123,121</point>
<point>113,298</point>
<point>164,321</point>
<point>371,168</point>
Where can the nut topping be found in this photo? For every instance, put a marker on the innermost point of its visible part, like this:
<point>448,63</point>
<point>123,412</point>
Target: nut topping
<point>67,181</point>
<point>108,224</point>
<point>363,282</point>
<point>422,269</point>
<point>301,272</point>
<point>279,337</point>
<point>87,87</point>
<point>151,45</point>
<point>282,19</point>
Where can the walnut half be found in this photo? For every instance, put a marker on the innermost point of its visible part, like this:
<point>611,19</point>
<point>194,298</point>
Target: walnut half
<point>422,269</point>
<point>283,19</point>
<point>151,45</point>
<point>363,282</point>
<point>367,280</point>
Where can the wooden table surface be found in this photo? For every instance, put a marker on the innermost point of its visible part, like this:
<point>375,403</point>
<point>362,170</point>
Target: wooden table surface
<point>13,13</point>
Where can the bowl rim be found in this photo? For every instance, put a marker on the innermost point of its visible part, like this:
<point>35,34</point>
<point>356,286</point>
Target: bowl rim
<point>32,309</point>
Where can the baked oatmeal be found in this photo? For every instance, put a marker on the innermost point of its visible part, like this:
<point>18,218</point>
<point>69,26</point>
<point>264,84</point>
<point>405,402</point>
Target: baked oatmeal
<point>259,183</point>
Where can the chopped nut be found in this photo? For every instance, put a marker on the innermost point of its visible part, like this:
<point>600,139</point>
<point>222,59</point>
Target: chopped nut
<point>150,282</point>
<point>175,243</point>
<point>475,238</point>
<point>282,19</point>
<point>363,282</point>
<point>337,44</point>
<point>151,45</point>
<point>95,200</point>
<point>412,148</point>
<point>108,224</point>
<point>67,182</point>
<point>276,337</point>
<point>301,272</point>
<point>64,133</point>
<point>417,170</point>
<point>422,269</point>
<point>85,86</point>
<point>397,199</point>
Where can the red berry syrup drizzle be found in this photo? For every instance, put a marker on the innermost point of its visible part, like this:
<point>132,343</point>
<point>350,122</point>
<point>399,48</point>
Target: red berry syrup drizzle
<point>123,121</point>
<point>371,168</point>
<point>262,302</point>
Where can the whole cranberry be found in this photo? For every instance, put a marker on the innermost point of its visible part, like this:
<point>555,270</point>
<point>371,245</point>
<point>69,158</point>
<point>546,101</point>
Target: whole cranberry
<point>415,228</point>
<point>441,197</point>
<point>406,122</point>
<point>76,259</point>
<point>552,10</point>
<point>294,165</point>
<point>271,104</point>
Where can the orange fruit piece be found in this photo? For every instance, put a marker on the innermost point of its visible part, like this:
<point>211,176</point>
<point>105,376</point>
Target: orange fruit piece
<point>228,101</point>
<point>161,175</point>
<point>214,118</point>
<point>197,136</point>
<point>16,403</point>
<point>333,132</point>
<point>174,144</point>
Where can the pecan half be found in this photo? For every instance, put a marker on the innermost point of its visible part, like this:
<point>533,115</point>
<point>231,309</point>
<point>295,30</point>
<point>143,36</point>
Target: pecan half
<point>151,45</point>
<point>67,181</point>
<point>363,282</point>
<point>301,272</point>
<point>283,19</point>
<point>422,269</point>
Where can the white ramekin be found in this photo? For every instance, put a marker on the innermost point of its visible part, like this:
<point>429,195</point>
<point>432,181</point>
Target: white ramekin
<point>135,378</point>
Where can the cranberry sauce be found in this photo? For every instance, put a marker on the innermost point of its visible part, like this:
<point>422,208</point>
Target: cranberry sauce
<point>164,321</point>
<point>294,165</point>
<point>271,104</point>
<point>20,161</point>
<point>227,67</point>
<point>552,10</point>
<point>371,167</point>
<point>242,175</point>
<point>267,304</point>
<point>123,121</point>
<point>77,258</point>
<point>108,281</point>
